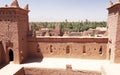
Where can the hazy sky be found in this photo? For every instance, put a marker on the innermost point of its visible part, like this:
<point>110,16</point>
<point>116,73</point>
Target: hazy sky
<point>59,10</point>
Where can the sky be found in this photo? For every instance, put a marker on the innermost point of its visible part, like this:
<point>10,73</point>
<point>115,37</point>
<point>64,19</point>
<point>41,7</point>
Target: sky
<point>59,10</point>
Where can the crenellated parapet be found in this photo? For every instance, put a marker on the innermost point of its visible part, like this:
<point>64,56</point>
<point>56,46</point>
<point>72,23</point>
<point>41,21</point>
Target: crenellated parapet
<point>15,5</point>
<point>111,4</point>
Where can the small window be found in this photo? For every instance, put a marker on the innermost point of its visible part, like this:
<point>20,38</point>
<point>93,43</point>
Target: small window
<point>84,49</point>
<point>51,50</point>
<point>109,53</point>
<point>67,49</point>
<point>100,50</point>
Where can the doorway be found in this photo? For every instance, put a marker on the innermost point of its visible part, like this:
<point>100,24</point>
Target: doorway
<point>11,55</point>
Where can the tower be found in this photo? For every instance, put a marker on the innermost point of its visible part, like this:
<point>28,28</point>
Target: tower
<point>13,31</point>
<point>114,31</point>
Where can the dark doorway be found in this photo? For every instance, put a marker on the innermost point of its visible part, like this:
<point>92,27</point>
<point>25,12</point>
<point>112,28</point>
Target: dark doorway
<point>11,56</point>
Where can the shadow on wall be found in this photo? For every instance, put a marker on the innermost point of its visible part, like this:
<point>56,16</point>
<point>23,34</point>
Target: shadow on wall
<point>35,57</point>
<point>67,71</point>
<point>2,56</point>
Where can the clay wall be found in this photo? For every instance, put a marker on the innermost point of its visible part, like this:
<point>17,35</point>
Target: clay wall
<point>112,20</point>
<point>114,31</point>
<point>8,32</point>
<point>43,71</point>
<point>89,48</point>
<point>23,28</point>
<point>13,32</point>
<point>2,54</point>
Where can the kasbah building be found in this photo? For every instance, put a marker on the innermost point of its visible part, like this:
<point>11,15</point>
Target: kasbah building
<point>22,53</point>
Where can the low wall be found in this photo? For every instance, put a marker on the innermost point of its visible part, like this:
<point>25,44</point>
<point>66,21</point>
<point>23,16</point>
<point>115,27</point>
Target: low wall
<point>89,48</point>
<point>20,72</point>
<point>43,71</point>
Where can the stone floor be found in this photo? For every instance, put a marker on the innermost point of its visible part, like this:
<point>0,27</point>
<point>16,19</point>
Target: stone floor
<point>111,69</point>
<point>77,64</point>
<point>60,63</point>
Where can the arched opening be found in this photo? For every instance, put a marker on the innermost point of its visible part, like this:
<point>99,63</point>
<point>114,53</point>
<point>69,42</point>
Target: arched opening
<point>84,49</point>
<point>100,50</point>
<point>67,49</point>
<point>51,49</point>
<point>11,55</point>
<point>109,53</point>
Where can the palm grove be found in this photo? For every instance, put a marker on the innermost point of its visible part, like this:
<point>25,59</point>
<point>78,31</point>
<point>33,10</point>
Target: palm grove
<point>69,26</point>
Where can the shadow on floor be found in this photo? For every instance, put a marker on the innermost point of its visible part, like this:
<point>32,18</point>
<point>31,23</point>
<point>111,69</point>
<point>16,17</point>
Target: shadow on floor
<point>2,65</point>
<point>32,60</point>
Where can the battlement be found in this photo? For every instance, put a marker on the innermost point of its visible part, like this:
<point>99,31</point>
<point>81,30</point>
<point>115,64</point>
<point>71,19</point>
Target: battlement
<point>15,5</point>
<point>111,4</point>
<point>70,39</point>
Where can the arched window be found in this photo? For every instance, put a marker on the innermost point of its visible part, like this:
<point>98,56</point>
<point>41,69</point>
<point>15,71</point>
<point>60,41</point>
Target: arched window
<point>84,49</point>
<point>100,50</point>
<point>109,53</point>
<point>67,49</point>
<point>51,50</point>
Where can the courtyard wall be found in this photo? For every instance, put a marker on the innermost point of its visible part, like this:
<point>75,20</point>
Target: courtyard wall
<point>86,48</point>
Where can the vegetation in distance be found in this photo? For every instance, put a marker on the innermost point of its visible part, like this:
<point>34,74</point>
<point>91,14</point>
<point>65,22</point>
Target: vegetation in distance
<point>69,26</point>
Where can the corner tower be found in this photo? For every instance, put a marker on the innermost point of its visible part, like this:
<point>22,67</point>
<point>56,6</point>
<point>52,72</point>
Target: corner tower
<point>14,27</point>
<point>114,31</point>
